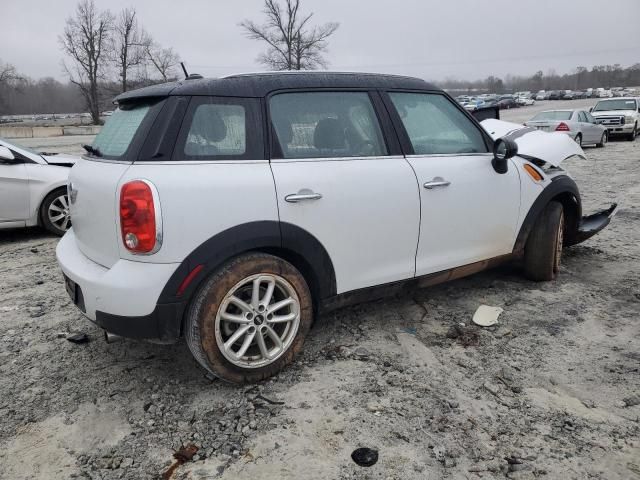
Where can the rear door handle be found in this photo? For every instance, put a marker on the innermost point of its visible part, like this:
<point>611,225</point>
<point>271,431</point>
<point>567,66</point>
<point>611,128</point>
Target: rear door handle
<point>302,196</point>
<point>436,182</point>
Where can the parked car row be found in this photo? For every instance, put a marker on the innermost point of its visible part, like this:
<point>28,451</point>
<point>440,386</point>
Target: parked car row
<point>490,100</point>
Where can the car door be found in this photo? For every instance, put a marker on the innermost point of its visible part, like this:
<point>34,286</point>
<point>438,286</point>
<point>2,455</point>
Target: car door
<point>469,212</point>
<point>14,191</point>
<point>588,132</point>
<point>340,176</point>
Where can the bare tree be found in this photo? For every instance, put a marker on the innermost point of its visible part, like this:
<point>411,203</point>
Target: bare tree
<point>130,44</point>
<point>164,60</point>
<point>8,73</point>
<point>293,44</point>
<point>85,39</point>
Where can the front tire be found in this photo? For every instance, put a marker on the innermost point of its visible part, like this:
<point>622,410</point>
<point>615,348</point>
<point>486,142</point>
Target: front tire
<point>543,249</point>
<point>54,212</point>
<point>632,136</point>
<point>603,140</point>
<point>250,318</point>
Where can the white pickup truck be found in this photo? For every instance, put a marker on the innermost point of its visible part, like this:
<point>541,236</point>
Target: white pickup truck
<point>620,116</point>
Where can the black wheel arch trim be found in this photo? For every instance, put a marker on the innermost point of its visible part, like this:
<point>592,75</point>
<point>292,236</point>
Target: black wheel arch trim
<point>563,189</point>
<point>288,241</point>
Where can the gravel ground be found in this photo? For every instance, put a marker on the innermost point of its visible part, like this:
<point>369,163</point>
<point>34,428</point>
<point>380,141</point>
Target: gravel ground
<point>552,391</point>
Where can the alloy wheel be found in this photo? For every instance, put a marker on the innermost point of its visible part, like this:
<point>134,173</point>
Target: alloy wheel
<point>58,212</point>
<point>257,320</point>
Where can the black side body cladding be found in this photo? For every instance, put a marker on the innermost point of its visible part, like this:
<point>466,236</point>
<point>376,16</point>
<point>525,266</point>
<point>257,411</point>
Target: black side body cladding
<point>564,190</point>
<point>290,242</point>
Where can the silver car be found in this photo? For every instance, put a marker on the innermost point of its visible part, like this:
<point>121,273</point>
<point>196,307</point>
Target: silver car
<point>578,124</point>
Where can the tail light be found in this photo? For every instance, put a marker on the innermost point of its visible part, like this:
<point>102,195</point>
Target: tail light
<point>140,220</point>
<point>562,127</point>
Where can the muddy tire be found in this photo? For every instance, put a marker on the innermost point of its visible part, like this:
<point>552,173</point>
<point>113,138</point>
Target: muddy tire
<point>603,140</point>
<point>543,249</point>
<point>54,212</point>
<point>250,318</point>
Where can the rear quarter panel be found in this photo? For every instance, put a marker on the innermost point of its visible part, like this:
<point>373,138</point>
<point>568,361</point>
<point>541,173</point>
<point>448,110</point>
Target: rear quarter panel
<point>201,199</point>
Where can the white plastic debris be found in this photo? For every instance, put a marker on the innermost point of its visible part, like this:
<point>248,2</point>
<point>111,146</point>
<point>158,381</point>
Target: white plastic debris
<point>486,316</point>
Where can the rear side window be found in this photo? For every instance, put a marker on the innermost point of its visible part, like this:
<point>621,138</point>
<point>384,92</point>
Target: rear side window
<point>221,128</point>
<point>326,125</point>
<point>118,132</point>
<point>553,115</point>
<point>435,126</point>
<point>217,130</point>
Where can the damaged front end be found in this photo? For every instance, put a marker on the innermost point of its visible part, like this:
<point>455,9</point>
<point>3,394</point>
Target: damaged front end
<point>592,224</point>
<point>547,151</point>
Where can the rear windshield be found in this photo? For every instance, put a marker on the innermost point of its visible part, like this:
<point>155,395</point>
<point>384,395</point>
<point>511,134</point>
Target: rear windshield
<point>118,132</point>
<point>615,105</point>
<point>555,115</point>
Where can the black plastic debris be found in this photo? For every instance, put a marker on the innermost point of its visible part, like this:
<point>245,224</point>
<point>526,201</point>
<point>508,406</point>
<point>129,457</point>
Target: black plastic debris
<point>78,338</point>
<point>365,457</point>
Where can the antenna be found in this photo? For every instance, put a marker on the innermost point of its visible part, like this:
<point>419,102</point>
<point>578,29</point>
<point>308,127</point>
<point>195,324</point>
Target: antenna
<point>184,69</point>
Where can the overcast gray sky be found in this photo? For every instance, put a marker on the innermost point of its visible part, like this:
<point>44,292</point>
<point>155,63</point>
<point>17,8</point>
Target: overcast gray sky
<point>433,39</point>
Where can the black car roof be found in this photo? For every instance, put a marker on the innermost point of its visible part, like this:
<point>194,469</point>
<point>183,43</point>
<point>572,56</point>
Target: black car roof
<point>261,84</point>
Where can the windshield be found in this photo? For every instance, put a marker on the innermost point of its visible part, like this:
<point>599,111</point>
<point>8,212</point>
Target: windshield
<point>118,131</point>
<point>615,105</point>
<point>553,115</point>
<point>18,146</point>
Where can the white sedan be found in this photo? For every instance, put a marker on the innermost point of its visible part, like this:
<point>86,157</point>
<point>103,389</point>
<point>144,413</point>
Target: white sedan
<point>33,188</point>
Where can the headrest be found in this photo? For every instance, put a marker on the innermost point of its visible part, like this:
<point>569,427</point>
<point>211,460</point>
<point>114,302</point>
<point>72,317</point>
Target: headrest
<point>208,123</point>
<point>329,134</point>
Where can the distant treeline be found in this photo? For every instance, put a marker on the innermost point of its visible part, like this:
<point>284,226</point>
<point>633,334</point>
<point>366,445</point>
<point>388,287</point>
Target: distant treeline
<point>24,96</point>
<point>581,78</point>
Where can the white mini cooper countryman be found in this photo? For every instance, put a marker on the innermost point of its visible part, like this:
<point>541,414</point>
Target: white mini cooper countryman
<point>232,211</point>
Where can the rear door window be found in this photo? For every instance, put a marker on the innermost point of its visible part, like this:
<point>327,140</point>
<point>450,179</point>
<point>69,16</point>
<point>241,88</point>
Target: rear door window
<point>326,125</point>
<point>221,128</point>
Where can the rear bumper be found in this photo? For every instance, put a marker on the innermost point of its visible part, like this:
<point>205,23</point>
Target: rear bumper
<point>592,224</point>
<point>121,299</point>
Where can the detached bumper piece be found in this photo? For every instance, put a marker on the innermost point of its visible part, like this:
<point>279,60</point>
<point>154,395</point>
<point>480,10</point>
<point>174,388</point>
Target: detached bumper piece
<point>592,224</point>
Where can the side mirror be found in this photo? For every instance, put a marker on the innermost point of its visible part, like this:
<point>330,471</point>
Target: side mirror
<point>6,155</point>
<point>503,150</point>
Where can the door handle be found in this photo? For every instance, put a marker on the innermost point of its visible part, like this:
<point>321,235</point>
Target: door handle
<point>302,196</point>
<point>436,182</point>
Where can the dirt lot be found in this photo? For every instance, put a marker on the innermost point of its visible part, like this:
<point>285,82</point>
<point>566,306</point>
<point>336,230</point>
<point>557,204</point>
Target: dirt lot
<point>552,391</point>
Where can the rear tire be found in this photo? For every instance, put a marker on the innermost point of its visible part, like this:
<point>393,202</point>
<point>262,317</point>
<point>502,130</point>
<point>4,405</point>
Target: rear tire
<point>234,318</point>
<point>543,249</point>
<point>54,212</point>
<point>603,140</point>
<point>578,139</point>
